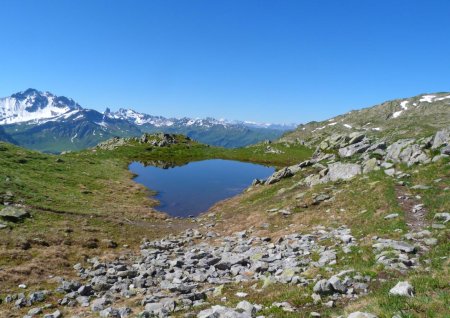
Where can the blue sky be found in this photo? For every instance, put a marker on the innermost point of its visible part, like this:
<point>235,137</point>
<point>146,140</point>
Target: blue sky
<point>272,61</point>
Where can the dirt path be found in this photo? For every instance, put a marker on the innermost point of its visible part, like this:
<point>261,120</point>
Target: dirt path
<point>414,210</point>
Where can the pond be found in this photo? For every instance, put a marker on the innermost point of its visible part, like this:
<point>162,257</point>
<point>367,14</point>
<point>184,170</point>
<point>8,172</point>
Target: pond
<point>193,188</point>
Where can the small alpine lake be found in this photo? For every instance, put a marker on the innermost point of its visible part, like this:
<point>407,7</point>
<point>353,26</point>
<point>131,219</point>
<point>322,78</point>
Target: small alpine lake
<point>195,187</point>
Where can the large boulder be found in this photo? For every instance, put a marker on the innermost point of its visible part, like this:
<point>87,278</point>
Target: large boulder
<point>14,214</point>
<point>341,171</point>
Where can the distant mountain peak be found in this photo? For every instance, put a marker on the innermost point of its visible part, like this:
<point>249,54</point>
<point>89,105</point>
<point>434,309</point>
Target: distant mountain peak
<point>32,105</point>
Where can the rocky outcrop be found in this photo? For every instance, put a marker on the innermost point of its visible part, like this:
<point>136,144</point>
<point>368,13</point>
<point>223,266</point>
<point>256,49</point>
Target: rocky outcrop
<point>370,156</point>
<point>406,151</point>
<point>278,175</point>
<point>155,140</point>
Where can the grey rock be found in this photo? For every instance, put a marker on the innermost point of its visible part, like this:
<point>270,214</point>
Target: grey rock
<point>323,287</point>
<point>34,311</point>
<point>442,217</point>
<point>441,138</point>
<point>285,306</point>
<point>13,214</point>
<point>99,304</point>
<point>341,171</point>
<point>353,149</point>
<point>445,150</point>
<point>320,198</point>
<point>370,165</point>
<point>56,314</point>
<point>110,312</point>
<point>359,314</point>
<point>391,216</point>
<point>246,307</point>
<point>396,245</point>
<point>281,174</point>
<point>402,289</point>
<point>420,187</point>
<point>337,285</point>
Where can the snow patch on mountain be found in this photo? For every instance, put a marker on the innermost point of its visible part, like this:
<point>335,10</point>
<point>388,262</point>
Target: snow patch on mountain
<point>33,105</point>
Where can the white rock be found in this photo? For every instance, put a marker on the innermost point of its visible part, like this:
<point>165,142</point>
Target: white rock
<point>359,314</point>
<point>402,289</point>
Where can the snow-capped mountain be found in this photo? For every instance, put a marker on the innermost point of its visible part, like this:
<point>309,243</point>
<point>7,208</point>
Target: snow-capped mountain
<point>34,106</point>
<point>159,121</point>
<point>46,122</point>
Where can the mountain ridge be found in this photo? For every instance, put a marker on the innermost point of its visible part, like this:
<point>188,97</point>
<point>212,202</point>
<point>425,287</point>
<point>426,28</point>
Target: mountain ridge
<point>46,122</point>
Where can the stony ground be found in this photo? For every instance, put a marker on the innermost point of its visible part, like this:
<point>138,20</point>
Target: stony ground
<point>352,235</point>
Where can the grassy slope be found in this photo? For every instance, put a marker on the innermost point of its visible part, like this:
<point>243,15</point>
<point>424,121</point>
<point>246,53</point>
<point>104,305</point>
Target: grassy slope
<point>364,214</point>
<point>96,188</point>
<point>89,196</point>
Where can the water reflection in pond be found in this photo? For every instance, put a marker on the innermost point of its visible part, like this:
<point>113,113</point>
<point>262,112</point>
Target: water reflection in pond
<point>193,188</point>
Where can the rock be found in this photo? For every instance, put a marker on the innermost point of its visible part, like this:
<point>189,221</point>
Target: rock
<point>314,314</point>
<point>221,311</point>
<point>420,187</point>
<point>406,151</point>
<point>246,307</point>
<point>3,226</point>
<point>241,294</point>
<point>370,165</point>
<point>13,214</point>
<point>359,314</point>
<point>56,314</point>
<point>320,198</point>
<point>355,137</point>
<point>442,217</point>
<point>396,245</point>
<point>323,287</point>
<point>402,289</point>
<point>34,311</point>
<point>431,241</point>
<point>341,171</point>
<point>285,306</point>
<point>439,157</point>
<point>281,174</point>
<point>337,285</point>
<point>390,172</point>
<point>99,304</point>
<point>353,149</point>
<point>441,138</point>
<point>37,297</point>
<point>110,312</point>
<point>445,150</point>
<point>391,216</point>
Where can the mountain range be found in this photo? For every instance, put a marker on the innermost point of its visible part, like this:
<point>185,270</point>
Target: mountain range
<point>46,122</point>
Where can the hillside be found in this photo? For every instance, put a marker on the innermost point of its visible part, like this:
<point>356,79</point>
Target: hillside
<point>417,116</point>
<point>46,122</point>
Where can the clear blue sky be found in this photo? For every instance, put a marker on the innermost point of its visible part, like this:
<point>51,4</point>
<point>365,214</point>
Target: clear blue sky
<point>277,61</point>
